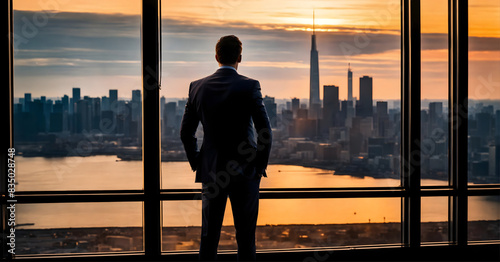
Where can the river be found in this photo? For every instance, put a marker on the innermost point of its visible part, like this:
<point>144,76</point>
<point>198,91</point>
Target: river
<point>106,173</point>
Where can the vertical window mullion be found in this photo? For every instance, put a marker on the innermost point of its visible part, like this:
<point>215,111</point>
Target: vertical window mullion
<point>414,121</point>
<point>410,142</point>
<point>7,108</point>
<point>459,128</point>
<point>151,127</point>
<point>405,116</point>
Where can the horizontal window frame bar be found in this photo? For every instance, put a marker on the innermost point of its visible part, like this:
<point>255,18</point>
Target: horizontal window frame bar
<point>61,197</point>
<point>83,256</point>
<point>170,191</point>
<point>78,198</point>
<point>345,252</point>
<point>487,186</point>
<point>78,192</point>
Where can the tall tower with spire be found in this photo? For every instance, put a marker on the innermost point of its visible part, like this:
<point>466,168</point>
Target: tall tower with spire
<point>314,100</point>
<point>349,83</point>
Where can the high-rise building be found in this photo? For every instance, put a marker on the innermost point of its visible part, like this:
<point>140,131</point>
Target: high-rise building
<point>483,126</point>
<point>169,119</point>
<point>65,103</point>
<point>349,83</point>
<point>271,109</point>
<point>162,106</point>
<point>136,95</point>
<point>113,99</point>
<point>494,161</point>
<point>314,100</point>
<point>36,111</point>
<point>497,126</point>
<point>435,111</point>
<point>381,123</point>
<point>382,110</point>
<point>364,107</point>
<point>56,117</point>
<point>27,102</point>
<point>136,105</point>
<point>83,118</point>
<point>330,106</point>
<point>295,106</point>
<point>346,113</point>
<point>105,106</point>
<point>76,94</point>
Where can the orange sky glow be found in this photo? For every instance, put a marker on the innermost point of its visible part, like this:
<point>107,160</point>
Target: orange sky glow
<point>331,16</point>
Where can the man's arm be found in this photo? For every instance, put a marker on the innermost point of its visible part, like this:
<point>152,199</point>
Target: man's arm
<point>263,128</point>
<point>189,125</point>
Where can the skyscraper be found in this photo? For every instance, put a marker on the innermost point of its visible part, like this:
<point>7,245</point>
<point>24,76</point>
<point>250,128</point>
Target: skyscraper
<point>330,105</point>
<point>27,102</point>
<point>365,106</point>
<point>381,122</point>
<point>349,83</point>
<point>497,125</point>
<point>65,103</point>
<point>76,94</point>
<point>295,106</point>
<point>169,119</point>
<point>271,109</point>
<point>74,100</point>
<point>136,105</point>
<point>113,98</point>
<point>483,126</point>
<point>314,101</point>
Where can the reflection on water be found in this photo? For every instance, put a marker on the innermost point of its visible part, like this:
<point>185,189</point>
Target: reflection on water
<point>104,172</point>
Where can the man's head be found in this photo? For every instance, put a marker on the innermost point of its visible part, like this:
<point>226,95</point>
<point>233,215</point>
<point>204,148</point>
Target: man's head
<point>228,50</point>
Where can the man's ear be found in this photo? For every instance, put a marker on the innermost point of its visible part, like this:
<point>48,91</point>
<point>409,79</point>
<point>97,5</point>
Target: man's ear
<point>217,58</point>
<point>239,59</point>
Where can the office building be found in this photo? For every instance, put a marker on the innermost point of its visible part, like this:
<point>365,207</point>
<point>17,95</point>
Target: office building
<point>364,108</point>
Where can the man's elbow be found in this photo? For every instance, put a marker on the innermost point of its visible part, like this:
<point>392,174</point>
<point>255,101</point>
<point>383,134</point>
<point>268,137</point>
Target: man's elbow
<point>265,136</point>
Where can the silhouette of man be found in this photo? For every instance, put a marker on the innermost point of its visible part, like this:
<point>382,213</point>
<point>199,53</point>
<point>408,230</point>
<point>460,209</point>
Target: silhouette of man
<point>236,144</point>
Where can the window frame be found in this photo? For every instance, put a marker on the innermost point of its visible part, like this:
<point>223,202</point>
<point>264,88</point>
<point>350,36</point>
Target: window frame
<point>410,190</point>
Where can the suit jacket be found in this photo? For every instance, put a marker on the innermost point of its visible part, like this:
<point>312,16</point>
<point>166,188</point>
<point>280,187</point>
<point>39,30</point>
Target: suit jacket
<point>228,105</point>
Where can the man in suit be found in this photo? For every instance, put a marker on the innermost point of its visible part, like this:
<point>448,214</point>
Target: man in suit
<point>236,144</point>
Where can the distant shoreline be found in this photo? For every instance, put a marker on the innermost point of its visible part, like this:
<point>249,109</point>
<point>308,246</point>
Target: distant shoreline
<point>336,168</point>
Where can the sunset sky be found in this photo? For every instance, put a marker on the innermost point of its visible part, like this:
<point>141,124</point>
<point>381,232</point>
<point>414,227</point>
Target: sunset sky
<point>95,45</point>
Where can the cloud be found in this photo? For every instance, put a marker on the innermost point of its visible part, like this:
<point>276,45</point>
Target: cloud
<point>86,45</point>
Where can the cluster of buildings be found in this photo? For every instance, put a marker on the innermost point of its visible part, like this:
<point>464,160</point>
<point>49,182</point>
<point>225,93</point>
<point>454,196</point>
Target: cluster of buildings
<point>78,115</point>
<point>353,136</point>
<point>120,239</point>
<point>484,144</point>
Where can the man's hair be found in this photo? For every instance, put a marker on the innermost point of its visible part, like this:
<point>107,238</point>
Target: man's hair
<point>228,49</point>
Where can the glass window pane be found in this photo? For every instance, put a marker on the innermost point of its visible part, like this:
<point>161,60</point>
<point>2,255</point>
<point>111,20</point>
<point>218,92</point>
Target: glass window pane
<point>484,218</point>
<point>434,219</point>
<point>77,94</point>
<point>434,92</point>
<point>78,227</point>
<point>484,92</point>
<point>347,134</point>
<point>293,223</point>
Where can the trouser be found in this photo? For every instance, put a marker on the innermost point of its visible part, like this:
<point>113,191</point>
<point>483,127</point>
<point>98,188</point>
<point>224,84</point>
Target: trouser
<point>243,193</point>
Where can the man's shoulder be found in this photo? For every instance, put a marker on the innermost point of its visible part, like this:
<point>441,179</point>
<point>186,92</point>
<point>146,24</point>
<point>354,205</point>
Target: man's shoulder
<point>247,82</point>
<point>247,79</point>
<point>200,80</point>
<point>236,77</point>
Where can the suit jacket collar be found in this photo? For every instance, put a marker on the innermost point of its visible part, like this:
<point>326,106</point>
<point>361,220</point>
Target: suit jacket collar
<point>226,71</point>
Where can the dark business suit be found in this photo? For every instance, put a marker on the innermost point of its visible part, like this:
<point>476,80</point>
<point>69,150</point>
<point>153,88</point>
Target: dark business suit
<point>231,158</point>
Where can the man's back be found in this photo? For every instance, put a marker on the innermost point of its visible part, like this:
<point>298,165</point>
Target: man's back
<point>223,102</point>
<point>227,104</point>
